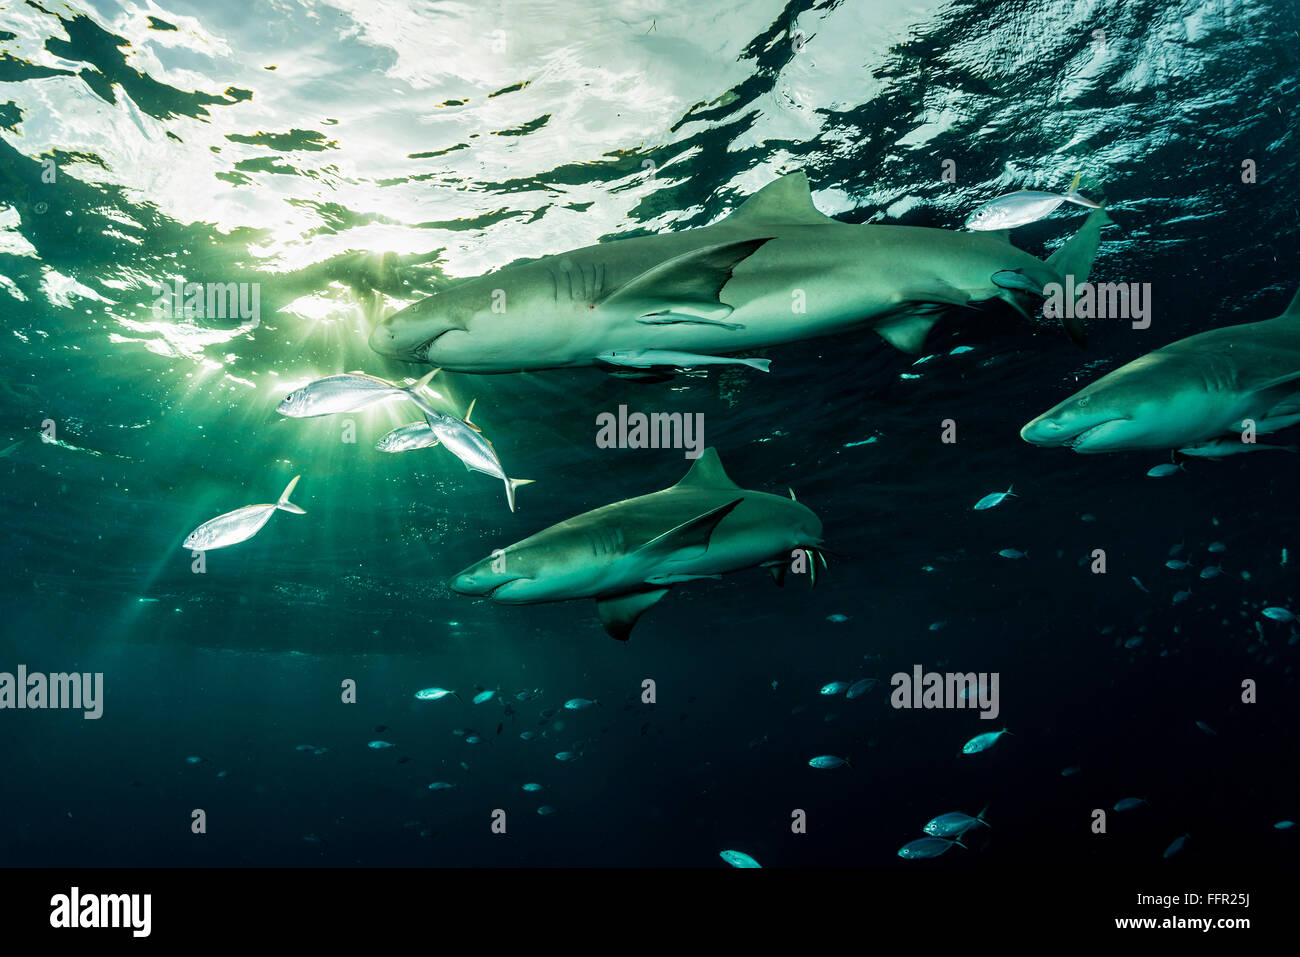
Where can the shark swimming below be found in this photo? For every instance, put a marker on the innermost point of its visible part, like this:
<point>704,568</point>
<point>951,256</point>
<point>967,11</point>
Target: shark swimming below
<point>1206,395</point>
<point>776,270</point>
<point>628,555</point>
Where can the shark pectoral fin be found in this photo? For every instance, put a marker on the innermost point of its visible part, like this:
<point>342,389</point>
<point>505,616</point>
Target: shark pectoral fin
<point>1016,279</point>
<point>908,330</point>
<point>677,316</point>
<point>620,613</point>
<point>778,574</point>
<point>1283,387</point>
<point>1015,282</point>
<point>688,285</point>
<point>687,540</point>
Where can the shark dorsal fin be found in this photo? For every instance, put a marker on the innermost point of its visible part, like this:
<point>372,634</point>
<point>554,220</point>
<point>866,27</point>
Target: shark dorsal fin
<point>706,472</point>
<point>787,200</point>
<point>1293,311</point>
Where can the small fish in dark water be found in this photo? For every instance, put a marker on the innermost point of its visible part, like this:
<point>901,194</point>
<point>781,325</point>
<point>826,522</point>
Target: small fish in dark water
<point>500,726</point>
<point>925,847</point>
<point>380,728</point>
<point>404,759</point>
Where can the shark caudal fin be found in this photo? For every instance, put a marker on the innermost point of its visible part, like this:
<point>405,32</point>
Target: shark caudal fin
<point>1076,256</point>
<point>1074,260</point>
<point>284,504</point>
<point>511,485</point>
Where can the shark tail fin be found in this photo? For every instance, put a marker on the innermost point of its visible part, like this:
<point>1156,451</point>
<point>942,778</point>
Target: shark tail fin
<point>1076,256</point>
<point>762,365</point>
<point>511,485</point>
<point>284,504</point>
<point>1075,259</point>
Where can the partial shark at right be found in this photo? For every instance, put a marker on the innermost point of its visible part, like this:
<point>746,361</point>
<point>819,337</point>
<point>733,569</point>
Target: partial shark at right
<point>1207,395</point>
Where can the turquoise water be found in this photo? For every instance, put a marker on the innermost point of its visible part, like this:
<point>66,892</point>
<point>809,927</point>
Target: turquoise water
<point>348,159</point>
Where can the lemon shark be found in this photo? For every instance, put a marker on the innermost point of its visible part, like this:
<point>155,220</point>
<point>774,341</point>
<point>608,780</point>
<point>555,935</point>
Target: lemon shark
<point>629,554</point>
<point>1199,395</point>
<point>775,270</point>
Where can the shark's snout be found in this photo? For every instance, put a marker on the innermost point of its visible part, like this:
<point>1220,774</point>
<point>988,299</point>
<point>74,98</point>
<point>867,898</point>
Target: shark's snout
<point>410,333</point>
<point>481,582</point>
<point>1092,434</point>
<point>1044,430</point>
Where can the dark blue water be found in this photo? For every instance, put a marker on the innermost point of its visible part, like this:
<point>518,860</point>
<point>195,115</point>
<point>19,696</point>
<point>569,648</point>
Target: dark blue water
<point>389,153</point>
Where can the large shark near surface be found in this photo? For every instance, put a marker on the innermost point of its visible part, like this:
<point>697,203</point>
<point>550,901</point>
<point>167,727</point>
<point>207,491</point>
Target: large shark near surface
<point>1206,395</point>
<point>629,554</point>
<point>774,271</point>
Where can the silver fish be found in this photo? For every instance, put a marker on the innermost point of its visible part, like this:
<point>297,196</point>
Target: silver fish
<point>465,440</point>
<point>405,438</point>
<point>1023,207</point>
<point>347,392</point>
<point>239,525</point>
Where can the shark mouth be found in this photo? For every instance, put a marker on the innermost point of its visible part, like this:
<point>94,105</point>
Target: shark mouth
<point>421,352</point>
<point>497,588</point>
<point>1082,437</point>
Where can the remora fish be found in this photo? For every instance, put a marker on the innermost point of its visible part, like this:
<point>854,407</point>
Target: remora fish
<point>461,437</point>
<point>1024,206</point>
<point>649,358</point>
<point>629,554</point>
<point>346,392</point>
<point>726,288</point>
<point>1190,395</point>
<point>239,525</point>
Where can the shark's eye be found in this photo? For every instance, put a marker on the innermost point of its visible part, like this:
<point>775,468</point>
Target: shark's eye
<point>289,397</point>
<point>1084,401</point>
